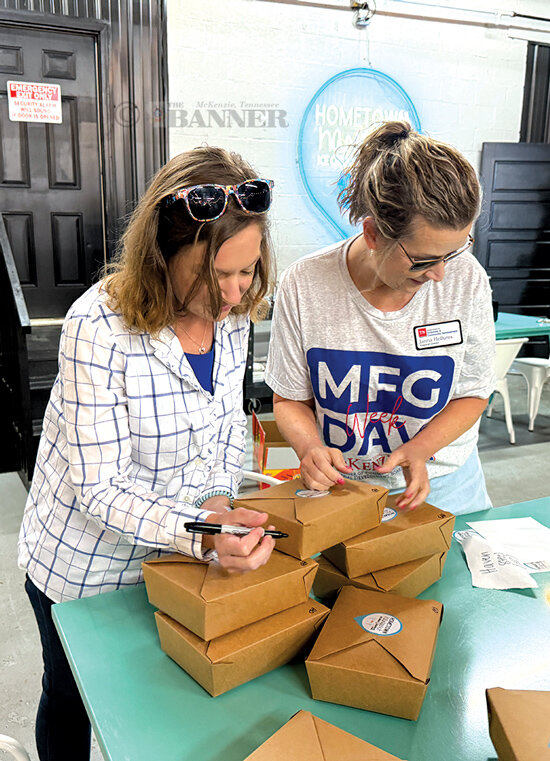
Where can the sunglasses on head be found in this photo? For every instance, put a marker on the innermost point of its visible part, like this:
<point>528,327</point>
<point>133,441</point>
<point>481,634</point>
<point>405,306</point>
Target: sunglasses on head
<point>417,265</point>
<point>207,202</point>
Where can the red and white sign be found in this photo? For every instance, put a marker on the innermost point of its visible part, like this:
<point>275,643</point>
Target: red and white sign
<point>34,102</point>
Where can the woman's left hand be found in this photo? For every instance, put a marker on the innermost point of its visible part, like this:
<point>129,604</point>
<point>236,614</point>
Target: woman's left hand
<point>241,553</point>
<point>416,476</point>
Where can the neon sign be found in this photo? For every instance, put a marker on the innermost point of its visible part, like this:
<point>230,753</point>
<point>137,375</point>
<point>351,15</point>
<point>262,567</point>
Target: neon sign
<point>336,118</point>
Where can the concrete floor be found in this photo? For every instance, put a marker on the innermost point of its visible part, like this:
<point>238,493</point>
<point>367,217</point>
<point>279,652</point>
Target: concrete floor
<point>514,474</point>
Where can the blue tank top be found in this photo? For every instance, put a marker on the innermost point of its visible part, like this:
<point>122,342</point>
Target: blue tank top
<point>202,365</point>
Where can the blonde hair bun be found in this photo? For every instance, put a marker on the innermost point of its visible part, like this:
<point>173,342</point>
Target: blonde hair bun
<point>398,174</point>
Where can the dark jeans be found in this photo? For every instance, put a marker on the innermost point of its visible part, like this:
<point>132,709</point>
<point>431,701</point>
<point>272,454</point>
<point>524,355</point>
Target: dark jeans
<point>62,725</point>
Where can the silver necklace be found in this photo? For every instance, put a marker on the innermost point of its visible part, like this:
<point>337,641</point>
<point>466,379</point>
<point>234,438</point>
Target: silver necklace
<point>201,346</point>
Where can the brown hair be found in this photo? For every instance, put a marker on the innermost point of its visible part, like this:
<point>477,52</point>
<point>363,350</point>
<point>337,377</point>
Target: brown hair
<point>398,174</point>
<point>138,282</point>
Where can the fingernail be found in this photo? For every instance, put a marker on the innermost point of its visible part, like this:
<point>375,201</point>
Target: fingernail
<point>341,481</point>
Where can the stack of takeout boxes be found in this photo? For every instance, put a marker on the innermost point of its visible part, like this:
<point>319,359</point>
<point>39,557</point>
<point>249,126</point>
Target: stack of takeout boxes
<point>404,555</point>
<point>225,629</point>
<point>377,646</point>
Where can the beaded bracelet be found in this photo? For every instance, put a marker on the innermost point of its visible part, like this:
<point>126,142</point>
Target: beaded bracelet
<point>217,493</point>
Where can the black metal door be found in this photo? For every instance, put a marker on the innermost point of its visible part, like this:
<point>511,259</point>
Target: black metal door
<point>50,174</point>
<point>513,231</point>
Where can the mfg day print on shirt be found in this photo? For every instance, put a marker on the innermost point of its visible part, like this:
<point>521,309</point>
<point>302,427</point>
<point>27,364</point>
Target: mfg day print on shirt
<point>369,403</point>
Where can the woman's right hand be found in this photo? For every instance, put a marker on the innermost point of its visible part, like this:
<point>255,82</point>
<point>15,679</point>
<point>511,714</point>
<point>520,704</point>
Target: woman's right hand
<point>241,553</point>
<point>322,467</point>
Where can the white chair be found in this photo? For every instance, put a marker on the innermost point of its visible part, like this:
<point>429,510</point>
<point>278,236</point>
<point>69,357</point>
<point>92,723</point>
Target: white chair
<point>536,372</point>
<point>14,748</point>
<point>507,350</point>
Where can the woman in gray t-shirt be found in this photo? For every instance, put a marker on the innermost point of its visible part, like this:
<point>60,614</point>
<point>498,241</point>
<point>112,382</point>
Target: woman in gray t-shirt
<point>382,347</point>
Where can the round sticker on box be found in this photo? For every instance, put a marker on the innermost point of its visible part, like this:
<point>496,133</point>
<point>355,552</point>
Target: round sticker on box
<point>389,514</point>
<point>382,624</point>
<point>311,493</point>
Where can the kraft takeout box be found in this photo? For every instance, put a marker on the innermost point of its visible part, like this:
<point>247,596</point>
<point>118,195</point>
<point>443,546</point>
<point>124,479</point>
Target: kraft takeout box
<point>519,724</point>
<point>308,738</point>
<point>211,602</point>
<point>402,535</point>
<point>317,520</point>
<point>407,579</point>
<point>375,652</point>
<point>244,654</point>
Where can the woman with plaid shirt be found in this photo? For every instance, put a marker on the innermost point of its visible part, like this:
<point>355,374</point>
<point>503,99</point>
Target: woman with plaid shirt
<point>145,428</point>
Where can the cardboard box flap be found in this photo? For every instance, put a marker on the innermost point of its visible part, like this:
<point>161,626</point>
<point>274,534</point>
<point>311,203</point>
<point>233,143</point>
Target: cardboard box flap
<point>217,583</point>
<point>388,578</point>
<point>286,499</point>
<point>338,745</point>
<point>447,530</point>
<point>222,649</point>
<point>407,628</point>
<point>308,738</point>
<point>211,582</point>
<point>199,644</point>
<point>518,723</point>
<point>396,520</point>
<point>176,557</point>
<point>194,571</point>
<point>297,737</point>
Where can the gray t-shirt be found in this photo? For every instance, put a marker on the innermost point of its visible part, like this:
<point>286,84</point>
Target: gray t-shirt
<point>379,377</point>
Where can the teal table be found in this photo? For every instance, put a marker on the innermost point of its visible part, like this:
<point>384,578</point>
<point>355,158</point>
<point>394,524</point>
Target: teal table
<point>519,325</point>
<point>143,707</point>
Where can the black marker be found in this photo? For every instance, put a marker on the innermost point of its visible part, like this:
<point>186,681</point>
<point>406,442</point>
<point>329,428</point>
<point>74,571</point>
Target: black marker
<point>218,528</point>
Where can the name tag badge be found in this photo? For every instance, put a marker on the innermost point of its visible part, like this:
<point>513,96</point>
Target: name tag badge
<point>438,334</point>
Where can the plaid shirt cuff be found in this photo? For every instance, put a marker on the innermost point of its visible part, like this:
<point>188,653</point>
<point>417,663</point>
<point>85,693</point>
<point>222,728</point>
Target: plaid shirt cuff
<point>223,483</point>
<point>186,542</point>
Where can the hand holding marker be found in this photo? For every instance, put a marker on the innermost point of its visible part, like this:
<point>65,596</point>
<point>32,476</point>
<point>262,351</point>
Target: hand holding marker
<point>218,528</point>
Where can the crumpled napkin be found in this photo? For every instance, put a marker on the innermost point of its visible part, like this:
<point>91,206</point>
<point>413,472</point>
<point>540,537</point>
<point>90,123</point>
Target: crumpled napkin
<point>490,567</point>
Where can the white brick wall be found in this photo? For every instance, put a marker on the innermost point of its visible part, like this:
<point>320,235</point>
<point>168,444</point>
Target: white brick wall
<point>465,81</point>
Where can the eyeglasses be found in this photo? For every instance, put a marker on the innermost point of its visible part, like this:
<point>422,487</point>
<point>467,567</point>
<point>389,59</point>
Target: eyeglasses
<point>424,264</point>
<point>205,203</point>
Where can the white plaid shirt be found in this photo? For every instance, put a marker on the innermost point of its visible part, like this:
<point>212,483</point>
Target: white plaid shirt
<point>130,442</point>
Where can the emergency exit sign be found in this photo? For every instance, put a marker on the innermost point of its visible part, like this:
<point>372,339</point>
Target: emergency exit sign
<point>34,102</point>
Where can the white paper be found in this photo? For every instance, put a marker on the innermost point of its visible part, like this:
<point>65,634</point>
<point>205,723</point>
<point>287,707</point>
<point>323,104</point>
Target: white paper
<point>525,538</point>
<point>492,569</point>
